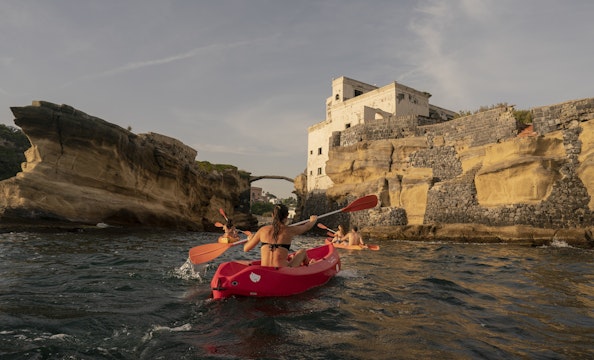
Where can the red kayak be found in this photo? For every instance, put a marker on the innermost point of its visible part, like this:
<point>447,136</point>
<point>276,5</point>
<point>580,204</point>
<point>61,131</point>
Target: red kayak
<point>352,247</point>
<point>252,279</point>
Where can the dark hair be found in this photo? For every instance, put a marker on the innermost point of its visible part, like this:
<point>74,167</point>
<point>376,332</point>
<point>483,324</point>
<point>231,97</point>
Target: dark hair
<point>279,214</point>
<point>355,228</point>
<point>229,223</point>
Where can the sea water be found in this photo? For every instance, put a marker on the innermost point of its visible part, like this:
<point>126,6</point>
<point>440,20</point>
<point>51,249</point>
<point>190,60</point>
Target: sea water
<point>117,294</point>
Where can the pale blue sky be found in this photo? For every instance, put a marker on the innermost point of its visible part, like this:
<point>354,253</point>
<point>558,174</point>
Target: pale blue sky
<point>241,80</point>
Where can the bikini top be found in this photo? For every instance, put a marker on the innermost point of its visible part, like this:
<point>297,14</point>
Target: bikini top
<point>276,246</point>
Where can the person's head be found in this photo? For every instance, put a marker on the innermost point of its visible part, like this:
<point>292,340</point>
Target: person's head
<point>355,228</point>
<point>340,228</point>
<point>280,213</point>
<point>229,223</point>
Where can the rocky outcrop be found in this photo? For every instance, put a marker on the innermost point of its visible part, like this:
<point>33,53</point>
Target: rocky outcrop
<point>83,170</point>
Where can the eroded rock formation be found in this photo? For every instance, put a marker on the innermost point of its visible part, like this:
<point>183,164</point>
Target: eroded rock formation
<point>82,169</point>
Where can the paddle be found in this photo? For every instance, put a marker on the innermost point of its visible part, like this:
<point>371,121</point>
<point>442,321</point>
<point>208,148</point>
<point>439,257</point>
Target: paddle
<point>204,253</point>
<point>363,203</point>
<point>219,224</point>
<point>222,212</point>
<point>322,226</point>
<point>207,252</point>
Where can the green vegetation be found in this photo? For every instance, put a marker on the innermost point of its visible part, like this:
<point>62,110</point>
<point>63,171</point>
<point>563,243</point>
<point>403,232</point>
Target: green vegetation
<point>483,108</point>
<point>264,208</point>
<point>261,208</point>
<point>13,144</point>
<point>209,167</point>
<point>523,116</point>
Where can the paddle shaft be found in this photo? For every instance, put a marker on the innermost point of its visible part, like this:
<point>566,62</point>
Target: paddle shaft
<point>319,216</point>
<point>363,203</point>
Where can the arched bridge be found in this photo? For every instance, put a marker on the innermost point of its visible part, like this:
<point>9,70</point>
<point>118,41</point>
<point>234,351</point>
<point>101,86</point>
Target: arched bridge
<point>276,177</point>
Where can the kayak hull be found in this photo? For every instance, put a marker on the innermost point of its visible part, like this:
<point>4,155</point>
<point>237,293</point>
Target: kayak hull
<point>352,247</point>
<point>237,278</point>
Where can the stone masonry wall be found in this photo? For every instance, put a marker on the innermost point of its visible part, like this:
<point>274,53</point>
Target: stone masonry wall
<point>486,127</point>
<point>478,129</point>
<point>452,197</point>
<point>454,201</point>
<point>556,117</point>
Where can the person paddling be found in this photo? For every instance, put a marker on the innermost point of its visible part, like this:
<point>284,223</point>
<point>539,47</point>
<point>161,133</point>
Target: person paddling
<point>339,234</point>
<point>354,238</point>
<point>276,240</point>
<point>230,230</point>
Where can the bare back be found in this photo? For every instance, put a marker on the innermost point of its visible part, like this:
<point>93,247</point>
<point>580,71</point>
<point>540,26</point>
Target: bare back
<point>277,254</point>
<point>354,238</point>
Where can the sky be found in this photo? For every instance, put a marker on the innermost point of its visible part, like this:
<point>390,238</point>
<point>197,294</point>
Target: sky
<point>240,81</point>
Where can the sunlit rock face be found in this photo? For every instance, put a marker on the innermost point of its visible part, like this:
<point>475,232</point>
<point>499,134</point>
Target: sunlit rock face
<point>520,171</point>
<point>539,180</point>
<point>83,169</point>
<point>586,159</point>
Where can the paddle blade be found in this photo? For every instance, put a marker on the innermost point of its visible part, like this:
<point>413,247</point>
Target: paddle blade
<point>222,212</point>
<point>207,252</point>
<point>219,224</point>
<point>322,226</point>
<point>366,202</point>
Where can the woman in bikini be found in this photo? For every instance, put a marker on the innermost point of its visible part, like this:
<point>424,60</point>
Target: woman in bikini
<point>276,240</point>
<point>339,234</point>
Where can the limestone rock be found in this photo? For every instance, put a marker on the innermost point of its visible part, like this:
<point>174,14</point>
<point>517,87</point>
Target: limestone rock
<point>82,169</point>
<point>522,170</point>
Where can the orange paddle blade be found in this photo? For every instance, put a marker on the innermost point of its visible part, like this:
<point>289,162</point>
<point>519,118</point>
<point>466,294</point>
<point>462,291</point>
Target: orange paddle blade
<point>322,226</point>
<point>207,252</point>
<point>222,212</point>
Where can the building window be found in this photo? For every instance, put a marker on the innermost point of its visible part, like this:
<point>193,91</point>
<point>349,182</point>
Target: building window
<point>346,126</point>
<point>358,92</point>
<point>319,171</point>
<point>337,97</point>
<point>310,152</point>
<point>319,151</point>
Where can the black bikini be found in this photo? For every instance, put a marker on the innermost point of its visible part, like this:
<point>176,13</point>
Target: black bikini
<point>276,246</point>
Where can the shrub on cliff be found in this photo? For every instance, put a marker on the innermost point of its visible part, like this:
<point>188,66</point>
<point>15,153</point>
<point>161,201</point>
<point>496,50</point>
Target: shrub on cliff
<point>13,144</point>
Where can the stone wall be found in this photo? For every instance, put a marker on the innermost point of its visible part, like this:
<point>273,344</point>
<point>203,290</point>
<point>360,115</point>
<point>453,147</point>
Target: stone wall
<point>478,129</point>
<point>486,127</point>
<point>551,169</point>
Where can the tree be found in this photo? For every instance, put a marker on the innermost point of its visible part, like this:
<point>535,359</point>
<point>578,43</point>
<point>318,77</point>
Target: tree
<point>260,207</point>
<point>13,144</point>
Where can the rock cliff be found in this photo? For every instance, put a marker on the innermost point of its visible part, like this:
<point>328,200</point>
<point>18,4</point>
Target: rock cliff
<point>83,170</point>
<point>473,174</point>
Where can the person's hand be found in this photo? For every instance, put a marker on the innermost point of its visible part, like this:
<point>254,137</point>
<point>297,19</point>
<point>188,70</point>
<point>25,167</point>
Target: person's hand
<point>313,218</point>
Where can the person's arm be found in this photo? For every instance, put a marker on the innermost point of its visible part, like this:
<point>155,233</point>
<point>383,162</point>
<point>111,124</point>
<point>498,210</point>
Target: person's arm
<point>347,238</point>
<point>300,229</point>
<point>253,240</point>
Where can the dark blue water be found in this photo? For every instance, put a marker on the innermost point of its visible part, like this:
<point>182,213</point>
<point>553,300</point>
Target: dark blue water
<point>122,295</point>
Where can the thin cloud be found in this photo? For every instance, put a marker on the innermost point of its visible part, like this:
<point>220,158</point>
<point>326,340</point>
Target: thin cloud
<point>133,66</point>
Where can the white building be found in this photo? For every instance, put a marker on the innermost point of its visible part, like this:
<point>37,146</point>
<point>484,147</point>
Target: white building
<point>354,103</point>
